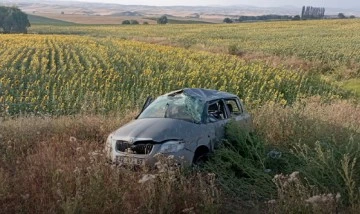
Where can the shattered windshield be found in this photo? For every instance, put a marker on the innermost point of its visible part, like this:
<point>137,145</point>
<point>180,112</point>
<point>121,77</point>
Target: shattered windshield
<point>177,106</point>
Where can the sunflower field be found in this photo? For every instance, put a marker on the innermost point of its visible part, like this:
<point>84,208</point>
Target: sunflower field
<point>61,74</point>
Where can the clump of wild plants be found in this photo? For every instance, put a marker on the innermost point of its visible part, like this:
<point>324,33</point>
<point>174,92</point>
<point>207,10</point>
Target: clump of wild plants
<point>321,140</point>
<point>235,50</point>
<point>332,168</point>
<point>239,164</point>
<point>170,184</point>
<point>294,196</point>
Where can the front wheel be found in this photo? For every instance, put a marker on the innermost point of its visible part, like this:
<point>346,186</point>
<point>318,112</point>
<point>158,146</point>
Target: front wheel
<point>200,159</point>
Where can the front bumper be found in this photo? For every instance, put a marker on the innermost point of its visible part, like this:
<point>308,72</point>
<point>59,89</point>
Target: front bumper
<point>184,157</point>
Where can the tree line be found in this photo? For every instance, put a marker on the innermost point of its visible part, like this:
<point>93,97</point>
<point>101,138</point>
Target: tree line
<point>162,20</point>
<point>261,18</point>
<point>309,12</point>
<point>13,20</point>
<point>264,17</point>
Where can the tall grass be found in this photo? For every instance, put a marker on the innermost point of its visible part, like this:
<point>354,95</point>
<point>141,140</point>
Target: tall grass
<point>57,165</point>
<point>303,158</point>
<point>319,140</point>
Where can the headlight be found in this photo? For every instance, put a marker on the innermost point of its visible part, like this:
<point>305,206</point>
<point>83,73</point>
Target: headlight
<point>108,145</point>
<point>171,147</point>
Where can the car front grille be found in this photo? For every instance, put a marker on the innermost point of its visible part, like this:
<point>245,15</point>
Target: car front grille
<point>142,148</point>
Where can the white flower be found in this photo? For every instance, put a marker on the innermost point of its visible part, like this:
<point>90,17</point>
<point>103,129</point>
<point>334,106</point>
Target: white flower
<point>73,139</point>
<point>95,153</point>
<point>188,210</point>
<point>293,176</point>
<point>211,175</point>
<point>146,178</point>
<point>326,198</point>
<point>314,199</point>
<point>77,170</point>
<point>271,202</point>
<point>277,176</point>
<point>338,196</point>
<point>59,192</point>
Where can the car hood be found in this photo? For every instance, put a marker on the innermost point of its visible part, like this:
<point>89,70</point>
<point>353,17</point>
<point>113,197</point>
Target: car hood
<point>158,130</point>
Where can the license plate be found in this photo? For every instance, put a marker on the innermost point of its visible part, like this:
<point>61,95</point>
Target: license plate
<point>129,160</point>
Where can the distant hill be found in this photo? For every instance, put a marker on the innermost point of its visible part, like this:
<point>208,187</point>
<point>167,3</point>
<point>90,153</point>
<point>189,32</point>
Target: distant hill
<point>215,14</point>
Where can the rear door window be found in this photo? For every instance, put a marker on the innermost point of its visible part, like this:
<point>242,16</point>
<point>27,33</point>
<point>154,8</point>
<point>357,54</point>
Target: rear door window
<point>233,107</point>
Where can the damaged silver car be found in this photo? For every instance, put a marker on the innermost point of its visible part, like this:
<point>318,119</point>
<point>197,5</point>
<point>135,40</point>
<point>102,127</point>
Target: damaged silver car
<point>186,124</point>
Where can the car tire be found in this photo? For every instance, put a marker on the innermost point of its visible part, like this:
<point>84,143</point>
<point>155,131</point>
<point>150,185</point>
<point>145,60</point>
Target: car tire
<point>201,156</point>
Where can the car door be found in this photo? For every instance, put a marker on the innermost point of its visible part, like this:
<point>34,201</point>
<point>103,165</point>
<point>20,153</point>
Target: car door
<point>238,112</point>
<point>216,118</point>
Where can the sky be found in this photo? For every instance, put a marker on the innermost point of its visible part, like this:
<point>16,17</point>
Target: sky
<point>262,3</point>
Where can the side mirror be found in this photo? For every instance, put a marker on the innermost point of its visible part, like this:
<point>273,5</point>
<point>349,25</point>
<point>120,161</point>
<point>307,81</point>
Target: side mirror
<point>148,101</point>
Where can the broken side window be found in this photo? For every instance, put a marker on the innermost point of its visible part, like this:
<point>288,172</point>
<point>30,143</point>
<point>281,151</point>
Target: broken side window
<point>216,111</point>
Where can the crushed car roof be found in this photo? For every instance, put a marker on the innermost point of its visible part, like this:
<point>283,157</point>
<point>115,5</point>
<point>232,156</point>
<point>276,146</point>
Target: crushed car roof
<point>203,94</point>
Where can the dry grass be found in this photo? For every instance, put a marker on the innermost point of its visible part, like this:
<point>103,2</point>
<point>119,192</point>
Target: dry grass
<point>58,166</point>
<point>320,140</point>
<point>309,120</point>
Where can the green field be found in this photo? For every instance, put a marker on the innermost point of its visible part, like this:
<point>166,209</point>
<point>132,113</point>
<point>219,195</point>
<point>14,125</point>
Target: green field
<point>172,20</point>
<point>332,49</point>
<point>113,74</point>
<point>65,87</point>
<point>180,21</point>
<point>335,42</point>
<point>40,20</point>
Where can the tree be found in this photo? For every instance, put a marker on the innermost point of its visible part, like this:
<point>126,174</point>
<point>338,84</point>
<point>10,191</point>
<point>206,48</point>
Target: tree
<point>227,20</point>
<point>134,22</point>
<point>296,18</point>
<point>352,17</point>
<point>312,12</point>
<point>145,23</point>
<point>303,12</point>
<point>13,20</point>
<point>126,22</point>
<point>341,16</point>
<point>163,20</point>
